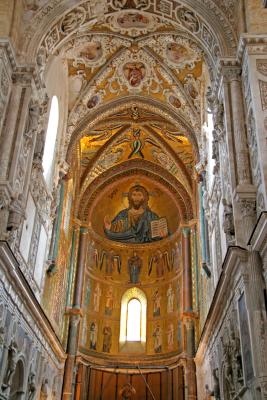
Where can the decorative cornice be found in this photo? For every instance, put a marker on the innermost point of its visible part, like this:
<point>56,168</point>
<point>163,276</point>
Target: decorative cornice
<point>250,40</point>
<point>21,73</point>
<point>258,239</point>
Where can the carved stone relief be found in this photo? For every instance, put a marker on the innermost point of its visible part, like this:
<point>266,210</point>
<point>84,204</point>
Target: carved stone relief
<point>262,66</point>
<point>263,93</point>
<point>5,83</point>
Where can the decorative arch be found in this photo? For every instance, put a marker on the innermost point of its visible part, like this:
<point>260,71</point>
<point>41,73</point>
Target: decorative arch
<point>184,176</point>
<point>89,120</point>
<point>135,167</point>
<point>221,32</point>
<point>133,293</point>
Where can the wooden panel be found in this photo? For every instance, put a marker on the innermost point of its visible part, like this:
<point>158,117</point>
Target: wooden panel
<point>91,388</point>
<point>140,387</point>
<point>154,384</point>
<point>164,386</point>
<point>175,384</point>
<point>181,383</point>
<point>122,380</point>
<point>97,385</point>
<point>109,386</point>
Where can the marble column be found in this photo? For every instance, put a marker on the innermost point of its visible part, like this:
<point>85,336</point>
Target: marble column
<point>75,318</point>
<point>187,271</point>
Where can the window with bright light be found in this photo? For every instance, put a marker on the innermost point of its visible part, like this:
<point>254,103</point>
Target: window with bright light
<point>134,321</point>
<point>50,140</point>
<point>133,317</point>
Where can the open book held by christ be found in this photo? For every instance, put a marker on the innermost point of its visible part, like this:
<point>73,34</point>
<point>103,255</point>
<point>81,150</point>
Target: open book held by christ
<point>159,228</point>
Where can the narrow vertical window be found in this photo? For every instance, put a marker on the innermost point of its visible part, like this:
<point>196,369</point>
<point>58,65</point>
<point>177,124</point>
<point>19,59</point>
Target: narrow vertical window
<point>134,321</point>
<point>50,140</point>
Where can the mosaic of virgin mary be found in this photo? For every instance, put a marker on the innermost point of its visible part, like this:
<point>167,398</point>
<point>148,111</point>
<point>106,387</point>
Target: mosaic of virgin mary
<point>133,224</point>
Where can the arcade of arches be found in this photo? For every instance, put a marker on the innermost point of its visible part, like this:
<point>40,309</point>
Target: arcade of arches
<point>133,198</point>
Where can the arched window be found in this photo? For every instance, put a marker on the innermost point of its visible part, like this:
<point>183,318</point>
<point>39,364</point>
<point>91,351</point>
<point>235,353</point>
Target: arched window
<point>134,321</point>
<point>50,140</point>
<point>133,318</point>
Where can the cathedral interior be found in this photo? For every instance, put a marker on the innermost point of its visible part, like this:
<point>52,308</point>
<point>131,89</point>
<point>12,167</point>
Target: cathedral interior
<point>133,199</point>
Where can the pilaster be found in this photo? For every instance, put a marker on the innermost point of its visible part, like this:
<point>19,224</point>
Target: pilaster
<point>242,187</point>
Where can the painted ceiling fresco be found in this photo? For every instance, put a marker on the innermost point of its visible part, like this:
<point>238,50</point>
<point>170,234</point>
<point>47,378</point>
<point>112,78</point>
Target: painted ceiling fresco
<point>138,71</point>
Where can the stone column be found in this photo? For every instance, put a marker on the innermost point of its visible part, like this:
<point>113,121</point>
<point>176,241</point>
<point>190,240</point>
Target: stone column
<point>75,318</point>
<point>187,271</point>
<point>242,187</point>
<point>190,380</point>
<point>190,337</point>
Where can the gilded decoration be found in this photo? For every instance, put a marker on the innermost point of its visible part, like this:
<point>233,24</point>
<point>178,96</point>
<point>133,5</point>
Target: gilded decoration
<point>132,168</point>
<point>135,211</point>
<point>115,274</point>
<point>107,147</point>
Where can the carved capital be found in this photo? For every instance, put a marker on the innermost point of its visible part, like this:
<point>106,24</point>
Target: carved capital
<point>248,207</point>
<point>22,78</point>
<point>232,74</point>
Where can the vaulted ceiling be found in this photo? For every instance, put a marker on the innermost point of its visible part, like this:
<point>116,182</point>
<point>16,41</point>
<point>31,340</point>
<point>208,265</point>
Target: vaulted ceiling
<point>137,73</point>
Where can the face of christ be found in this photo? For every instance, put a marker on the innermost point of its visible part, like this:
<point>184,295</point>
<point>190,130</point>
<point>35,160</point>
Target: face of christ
<point>137,199</point>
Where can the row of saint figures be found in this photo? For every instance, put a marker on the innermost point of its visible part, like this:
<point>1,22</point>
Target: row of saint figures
<point>159,336</point>
<point>160,263</point>
<point>168,296</point>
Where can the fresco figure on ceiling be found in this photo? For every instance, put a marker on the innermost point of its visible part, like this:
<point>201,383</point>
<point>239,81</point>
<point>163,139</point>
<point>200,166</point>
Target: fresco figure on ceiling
<point>91,52</point>
<point>134,73</point>
<point>93,335</point>
<point>93,101</point>
<point>134,267</point>
<point>175,102</point>
<point>137,223</point>
<point>132,20</point>
<point>177,53</point>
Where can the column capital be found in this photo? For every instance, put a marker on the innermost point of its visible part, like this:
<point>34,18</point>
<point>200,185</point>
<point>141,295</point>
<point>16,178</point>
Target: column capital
<point>83,229</point>
<point>186,231</point>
